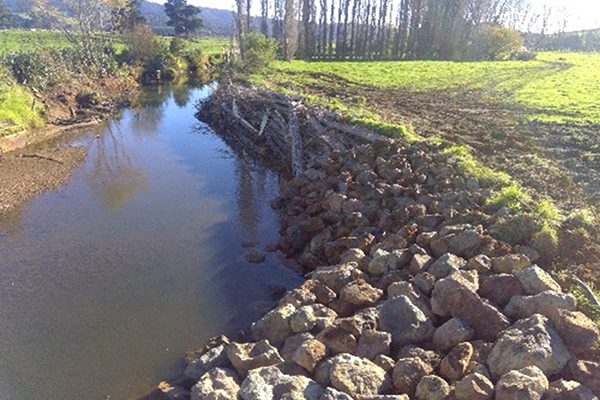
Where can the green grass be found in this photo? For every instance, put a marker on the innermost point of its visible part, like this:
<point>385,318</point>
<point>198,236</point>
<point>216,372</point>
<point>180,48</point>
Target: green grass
<point>570,94</point>
<point>15,110</point>
<point>17,39</point>
<point>512,196</point>
<point>548,88</point>
<point>471,168</point>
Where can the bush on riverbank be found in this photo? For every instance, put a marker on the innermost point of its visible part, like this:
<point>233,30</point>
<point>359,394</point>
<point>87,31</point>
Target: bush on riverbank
<point>15,105</point>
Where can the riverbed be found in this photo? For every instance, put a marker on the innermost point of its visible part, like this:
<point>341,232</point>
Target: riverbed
<point>107,281</point>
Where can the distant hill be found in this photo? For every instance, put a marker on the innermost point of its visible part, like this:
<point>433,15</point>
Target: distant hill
<point>217,23</point>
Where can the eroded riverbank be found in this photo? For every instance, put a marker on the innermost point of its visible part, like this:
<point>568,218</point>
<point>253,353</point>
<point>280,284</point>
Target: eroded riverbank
<point>411,296</point>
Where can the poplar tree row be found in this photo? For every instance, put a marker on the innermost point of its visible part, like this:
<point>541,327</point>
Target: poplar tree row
<point>378,29</point>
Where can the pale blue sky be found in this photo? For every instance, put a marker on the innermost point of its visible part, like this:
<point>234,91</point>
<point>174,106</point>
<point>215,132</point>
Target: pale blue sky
<point>581,14</point>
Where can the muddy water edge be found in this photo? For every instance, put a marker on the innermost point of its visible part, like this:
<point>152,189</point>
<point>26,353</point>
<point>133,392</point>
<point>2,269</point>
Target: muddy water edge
<point>108,280</point>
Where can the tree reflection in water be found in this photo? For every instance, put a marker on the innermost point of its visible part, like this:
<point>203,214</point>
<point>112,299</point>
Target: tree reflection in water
<point>113,177</point>
<point>252,189</point>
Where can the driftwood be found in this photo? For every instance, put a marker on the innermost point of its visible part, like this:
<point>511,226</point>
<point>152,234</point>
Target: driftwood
<point>279,127</point>
<point>587,291</point>
<point>40,157</point>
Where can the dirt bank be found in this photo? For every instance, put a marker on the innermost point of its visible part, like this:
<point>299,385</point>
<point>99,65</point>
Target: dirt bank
<point>25,175</point>
<point>83,104</point>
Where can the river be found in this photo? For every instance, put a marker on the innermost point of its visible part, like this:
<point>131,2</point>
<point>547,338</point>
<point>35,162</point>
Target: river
<point>107,281</point>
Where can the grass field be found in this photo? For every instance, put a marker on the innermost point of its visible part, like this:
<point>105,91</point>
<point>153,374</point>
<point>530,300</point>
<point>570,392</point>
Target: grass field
<point>13,40</point>
<point>556,87</point>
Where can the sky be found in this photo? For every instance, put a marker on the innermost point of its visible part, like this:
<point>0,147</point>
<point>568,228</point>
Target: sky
<point>581,14</point>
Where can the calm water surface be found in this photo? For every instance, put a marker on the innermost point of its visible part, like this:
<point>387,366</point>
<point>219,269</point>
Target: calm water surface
<point>106,282</point>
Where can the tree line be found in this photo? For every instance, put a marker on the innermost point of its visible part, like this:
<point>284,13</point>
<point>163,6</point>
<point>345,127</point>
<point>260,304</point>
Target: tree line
<point>382,29</point>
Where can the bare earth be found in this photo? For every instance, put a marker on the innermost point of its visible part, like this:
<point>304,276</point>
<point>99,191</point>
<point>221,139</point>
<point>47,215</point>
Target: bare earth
<point>28,174</point>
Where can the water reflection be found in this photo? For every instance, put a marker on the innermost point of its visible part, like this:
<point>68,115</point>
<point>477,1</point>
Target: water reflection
<point>113,178</point>
<point>181,95</point>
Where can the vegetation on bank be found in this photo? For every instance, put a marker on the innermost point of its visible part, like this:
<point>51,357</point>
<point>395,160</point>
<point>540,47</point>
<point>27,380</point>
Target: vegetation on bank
<point>46,61</point>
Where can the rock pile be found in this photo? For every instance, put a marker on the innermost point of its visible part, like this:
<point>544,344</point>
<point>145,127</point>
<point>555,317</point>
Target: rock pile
<point>408,297</point>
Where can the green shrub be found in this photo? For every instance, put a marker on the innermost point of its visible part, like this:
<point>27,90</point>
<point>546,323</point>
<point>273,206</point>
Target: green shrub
<point>142,46</point>
<point>177,46</point>
<point>195,60</point>
<point>512,196</point>
<point>31,68</point>
<point>258,52</point>
<point>548,214</point>
<point>494,43</point>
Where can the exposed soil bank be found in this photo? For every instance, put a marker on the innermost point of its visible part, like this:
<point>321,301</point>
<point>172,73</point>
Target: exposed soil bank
<point>25,175</point>
<point>409,295</point>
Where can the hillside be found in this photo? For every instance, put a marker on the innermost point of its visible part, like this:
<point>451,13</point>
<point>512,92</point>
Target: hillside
<point>216,22</point>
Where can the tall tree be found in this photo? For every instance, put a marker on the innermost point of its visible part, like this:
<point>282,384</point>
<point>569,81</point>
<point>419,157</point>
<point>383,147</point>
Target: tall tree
<point>290,30</point>
<point>264,22</point>
<point>183,17</point>
<point>125,16</point>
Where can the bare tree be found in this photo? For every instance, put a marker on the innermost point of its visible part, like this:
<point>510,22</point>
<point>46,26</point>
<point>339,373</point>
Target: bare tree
<point>290,30</point>
<point>264,23</point>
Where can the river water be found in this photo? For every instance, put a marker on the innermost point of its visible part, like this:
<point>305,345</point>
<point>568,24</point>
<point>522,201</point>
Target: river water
<point>107,281</point>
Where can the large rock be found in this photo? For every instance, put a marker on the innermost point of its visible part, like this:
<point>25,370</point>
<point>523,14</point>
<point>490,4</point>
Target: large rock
<point>455,364</point>
<point>292,344</point>
<point>408,372</point>
<point>500,288</point>
<point>360,293</point>
<point>215,357</point>
<point>309,354</point>
<point>405,321</point>
<point>217,384</point>
<point>304,319</point>
<point>474,387</point>
<point>270,383</point>
<point>456,296</point>
<point>357,376</point>
<point>529,342</point>
<point>451,333</point>
<point>415,296</point>
<point>247,356</point>
<point>373,343</point>
<point>528,383</point>
<point>510,263</point>
<point>575,328</point>
<point>338,340</point>
<point>275,326</point>
<point>451,289</point>
<point>569,390</point>
<point>446,265</point>
<point>586,372</point>
<point>312,317</point>
<point>419,263</point>
<point>338,276</point>
<point>432,387</point>
<point>545,303</point>
<point>464,241</point>
<point>332,394</point>
<point>535,280</point>
<point>481,263</point>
